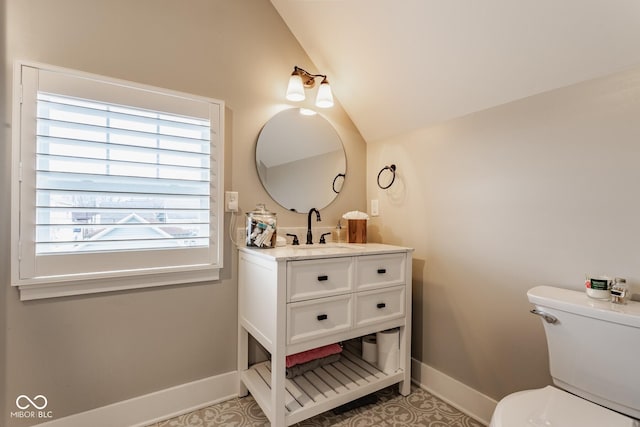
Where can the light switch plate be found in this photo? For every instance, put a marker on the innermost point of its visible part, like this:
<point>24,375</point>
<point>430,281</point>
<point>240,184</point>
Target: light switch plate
<point>375,211</point>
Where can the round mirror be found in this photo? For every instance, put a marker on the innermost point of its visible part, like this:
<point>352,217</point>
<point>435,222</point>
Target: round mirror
<point>300,160</point>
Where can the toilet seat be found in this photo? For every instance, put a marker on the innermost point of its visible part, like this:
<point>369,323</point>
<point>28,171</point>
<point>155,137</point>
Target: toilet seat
<point>552,407</point>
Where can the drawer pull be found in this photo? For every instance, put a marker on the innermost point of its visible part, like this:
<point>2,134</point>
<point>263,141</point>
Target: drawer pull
<point>382,270</point>
<point>323,278</point>
<point>381,305</point>
<point>322,317</point>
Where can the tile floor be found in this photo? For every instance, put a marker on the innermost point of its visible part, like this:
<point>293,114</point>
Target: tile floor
<point>392,409</point>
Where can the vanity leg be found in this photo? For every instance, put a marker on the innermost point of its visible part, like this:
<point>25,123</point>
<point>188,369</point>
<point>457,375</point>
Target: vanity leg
<point>278,353</point>
<point>405,337</point>
<point>278,389</point>
<point>243,358</point>
<point>405,362</point>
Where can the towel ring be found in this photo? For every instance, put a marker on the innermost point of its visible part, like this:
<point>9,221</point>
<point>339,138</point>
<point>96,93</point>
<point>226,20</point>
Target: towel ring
<point>392,168</point>
<point>334,183</point>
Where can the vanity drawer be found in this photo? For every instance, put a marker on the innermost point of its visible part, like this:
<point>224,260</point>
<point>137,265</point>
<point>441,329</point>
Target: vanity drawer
<point>317,318</point>
<point>380,305</point>
<point>376,271</point>
<point>319,278</point>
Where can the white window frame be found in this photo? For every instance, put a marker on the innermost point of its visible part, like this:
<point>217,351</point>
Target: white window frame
<point>121,272</point>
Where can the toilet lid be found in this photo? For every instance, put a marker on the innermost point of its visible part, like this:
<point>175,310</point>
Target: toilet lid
<point>551,406</point>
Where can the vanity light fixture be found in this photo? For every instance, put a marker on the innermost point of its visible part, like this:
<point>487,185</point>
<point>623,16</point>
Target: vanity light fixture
<point>301,79</point>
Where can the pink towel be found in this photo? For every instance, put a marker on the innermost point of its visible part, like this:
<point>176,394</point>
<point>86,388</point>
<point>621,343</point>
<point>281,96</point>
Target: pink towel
<point>314,353</point>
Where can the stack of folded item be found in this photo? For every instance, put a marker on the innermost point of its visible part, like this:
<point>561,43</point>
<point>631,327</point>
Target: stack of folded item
<point>299,363</point>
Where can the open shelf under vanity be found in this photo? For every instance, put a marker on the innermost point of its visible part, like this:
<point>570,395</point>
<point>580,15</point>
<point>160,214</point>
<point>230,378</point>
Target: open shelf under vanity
<point>321,389</point>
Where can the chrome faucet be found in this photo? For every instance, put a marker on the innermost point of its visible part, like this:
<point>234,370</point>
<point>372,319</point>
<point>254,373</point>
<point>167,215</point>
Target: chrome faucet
<point>309,235</point>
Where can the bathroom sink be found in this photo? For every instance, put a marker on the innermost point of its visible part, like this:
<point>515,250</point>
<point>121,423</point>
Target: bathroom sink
<point>328,245</point>
<point>326,248</point>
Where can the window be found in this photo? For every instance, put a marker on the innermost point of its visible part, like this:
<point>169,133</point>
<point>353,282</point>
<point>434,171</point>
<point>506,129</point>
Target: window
<point>116,185</point>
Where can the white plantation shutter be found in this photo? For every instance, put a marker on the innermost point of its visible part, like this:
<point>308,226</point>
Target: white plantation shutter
<point>116,178</point>
<point>111,186</point>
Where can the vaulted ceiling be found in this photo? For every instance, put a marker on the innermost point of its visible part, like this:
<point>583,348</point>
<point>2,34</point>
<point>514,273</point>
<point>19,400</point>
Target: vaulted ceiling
<point>399,65</point>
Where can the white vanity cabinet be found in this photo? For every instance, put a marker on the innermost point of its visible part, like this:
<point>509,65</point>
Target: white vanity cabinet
<point>294,299</point>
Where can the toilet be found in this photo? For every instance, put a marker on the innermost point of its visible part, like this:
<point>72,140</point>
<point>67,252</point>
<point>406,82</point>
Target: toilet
<point>594,359</point>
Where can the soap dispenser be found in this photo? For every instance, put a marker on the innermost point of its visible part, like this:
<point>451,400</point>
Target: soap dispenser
<point>337,235</point>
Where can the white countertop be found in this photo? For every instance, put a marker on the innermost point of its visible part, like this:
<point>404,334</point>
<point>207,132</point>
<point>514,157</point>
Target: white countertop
<point>326,250</point>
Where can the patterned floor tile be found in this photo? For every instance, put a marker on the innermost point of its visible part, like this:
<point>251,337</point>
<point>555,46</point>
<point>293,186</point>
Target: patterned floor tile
<point>419,409</point>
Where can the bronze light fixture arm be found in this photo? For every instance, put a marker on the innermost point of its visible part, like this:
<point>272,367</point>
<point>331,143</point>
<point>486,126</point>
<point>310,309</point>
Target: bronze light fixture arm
<point>308,79</point>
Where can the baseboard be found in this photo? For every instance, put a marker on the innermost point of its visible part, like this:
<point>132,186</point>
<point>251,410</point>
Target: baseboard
<point>172,402</point>
<point>160,405</point>
<point>452,391</point>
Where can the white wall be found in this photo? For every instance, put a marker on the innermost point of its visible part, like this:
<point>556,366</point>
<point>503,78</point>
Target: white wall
<point>538,191</point>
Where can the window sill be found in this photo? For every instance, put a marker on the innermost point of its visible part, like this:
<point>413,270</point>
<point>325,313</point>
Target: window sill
<point>41,290</point>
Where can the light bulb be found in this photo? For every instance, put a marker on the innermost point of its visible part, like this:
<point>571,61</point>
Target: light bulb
<point>295,90</point>
<point>324,98</point>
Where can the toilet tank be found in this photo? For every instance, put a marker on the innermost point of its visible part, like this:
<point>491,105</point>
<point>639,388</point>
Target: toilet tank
<point>594,346</point>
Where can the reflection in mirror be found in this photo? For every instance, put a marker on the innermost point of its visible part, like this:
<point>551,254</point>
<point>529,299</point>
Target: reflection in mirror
<point>300,160</point>
<point>337,182</point>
